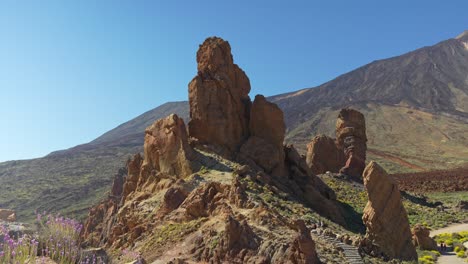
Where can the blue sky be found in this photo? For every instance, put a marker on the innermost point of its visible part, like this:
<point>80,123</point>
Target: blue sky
<point>72,70</point>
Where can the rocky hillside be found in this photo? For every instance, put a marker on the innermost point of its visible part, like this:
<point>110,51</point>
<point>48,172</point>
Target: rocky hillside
<point>416,106</point>
<point>195,196</point>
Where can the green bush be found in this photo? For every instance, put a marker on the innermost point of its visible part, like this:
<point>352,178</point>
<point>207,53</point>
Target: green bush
<point>461,254</point>
<point>427,259</point>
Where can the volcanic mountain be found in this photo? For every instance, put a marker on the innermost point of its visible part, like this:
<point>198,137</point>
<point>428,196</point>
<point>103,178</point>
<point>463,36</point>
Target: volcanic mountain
<point>415,105</point>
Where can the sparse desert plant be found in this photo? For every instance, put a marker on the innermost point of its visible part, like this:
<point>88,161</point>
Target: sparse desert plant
<point>59,238</point>
<point>18,251</point>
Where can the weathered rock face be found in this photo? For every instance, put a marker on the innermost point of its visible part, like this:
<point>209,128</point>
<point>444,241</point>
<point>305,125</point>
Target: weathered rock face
<point>219,98</point>
<point>303,249</point>
<point>167,154</point>
<point>101,218</point>
<point>166,147</point>
<point>384,215</point>
<point>421,238</point>
<point>7,215</point>
<point>267,130</point>
<point>351,138</point>
<point>309,187</point>
<point>323,155</point>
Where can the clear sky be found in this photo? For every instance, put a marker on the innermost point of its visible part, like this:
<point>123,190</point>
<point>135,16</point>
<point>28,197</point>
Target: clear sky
<point>72,70</point>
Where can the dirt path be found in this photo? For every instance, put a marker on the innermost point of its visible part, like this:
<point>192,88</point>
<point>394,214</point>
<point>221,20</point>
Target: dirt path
<point>451,229</point>
<point>450,257</point>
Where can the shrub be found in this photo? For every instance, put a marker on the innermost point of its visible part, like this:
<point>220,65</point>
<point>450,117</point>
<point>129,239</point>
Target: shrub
<point>461,254</point>
<point>21,250</point>
<point>59,238</point>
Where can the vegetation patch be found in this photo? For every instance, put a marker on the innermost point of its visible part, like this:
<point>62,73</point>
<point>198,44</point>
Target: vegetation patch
<point>172,232</point>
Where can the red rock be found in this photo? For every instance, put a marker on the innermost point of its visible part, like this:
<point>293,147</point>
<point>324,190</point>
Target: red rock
<point>173,197</point>
<point>351,138</point>
<point>267,129</point>
<point>7,215</point>
<point>421,238</point>
<point>384,215</point>
<point>323,155</point>
<point>302,249</point>
<point>166,147</point>
<point>218,98</point>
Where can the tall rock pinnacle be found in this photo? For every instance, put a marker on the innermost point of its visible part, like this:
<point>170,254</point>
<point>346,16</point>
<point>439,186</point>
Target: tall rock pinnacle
<point>219,98</point>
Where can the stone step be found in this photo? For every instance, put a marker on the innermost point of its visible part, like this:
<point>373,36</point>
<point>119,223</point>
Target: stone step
<point>350,252</point>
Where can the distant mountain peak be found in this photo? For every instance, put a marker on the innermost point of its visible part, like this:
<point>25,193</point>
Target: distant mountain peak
<point>463,36</point>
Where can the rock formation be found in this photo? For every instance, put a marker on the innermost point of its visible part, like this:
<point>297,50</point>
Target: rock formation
<point>7,215</point>
<point>212,198</point>
<point>267,130</point>
<point>351,138</point>
<point>323,155</point>
<point>346,154</point>
<point>384,215</point>
<point>303,249</point>
<point>421,238</point>
<point>167,149</point>
<point>219,98</point>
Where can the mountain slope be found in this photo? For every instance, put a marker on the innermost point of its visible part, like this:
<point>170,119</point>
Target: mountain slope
<point>416,107</point>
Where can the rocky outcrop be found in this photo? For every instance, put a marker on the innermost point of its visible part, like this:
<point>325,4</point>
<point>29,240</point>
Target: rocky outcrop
<point>267,130</point>
<point>384,215</point>
<point>212,198</point>
<point>167,149</point>
<point>303,247</point>
<point>351,138</point>
<point>421,238</point>
<point>323,155</point>
<point>167,154</point>
<point>219,98</point>
<point>7,215</point>
<point>98,226</point>
<point>346,154</point>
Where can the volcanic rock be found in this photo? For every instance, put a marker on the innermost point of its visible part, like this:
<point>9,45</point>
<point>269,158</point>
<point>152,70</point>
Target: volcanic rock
<point>117,184</point>
<point>384,215</point>
<point>219,98</point>
<point>323,155</point>
<point>351,138</point>
<point>173,197</point>
<point>131,181</point>
<point>303,247</point>
<point>7,215</point>
<point>421,238</point>
<point>166,147</point>
<point>267,129</point>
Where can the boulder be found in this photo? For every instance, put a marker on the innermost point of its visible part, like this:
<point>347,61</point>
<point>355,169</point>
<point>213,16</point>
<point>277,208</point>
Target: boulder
<point>219,98</point>
<point>351,138</point>
<point>323,155</point>
<point>7,215</point>
<point>421,238</point>
<point>384,215</point>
